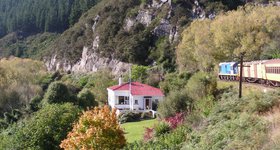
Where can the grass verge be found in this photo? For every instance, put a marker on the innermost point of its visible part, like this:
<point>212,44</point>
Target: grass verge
<point>134,130</point>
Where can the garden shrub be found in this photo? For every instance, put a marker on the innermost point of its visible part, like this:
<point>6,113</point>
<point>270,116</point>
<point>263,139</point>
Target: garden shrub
<point>148,134</point>
<point>129,116</point>
<point>147,115</point>
<point>161,128</point>
<point>97,128</point>
<point>57,93</point>
<point>201,85</point>
<point>175,102</point>
<point>86,99</point>
<point>175,120</point>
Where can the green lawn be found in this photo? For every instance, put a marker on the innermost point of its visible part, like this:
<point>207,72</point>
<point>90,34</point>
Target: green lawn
<point>134,130</point>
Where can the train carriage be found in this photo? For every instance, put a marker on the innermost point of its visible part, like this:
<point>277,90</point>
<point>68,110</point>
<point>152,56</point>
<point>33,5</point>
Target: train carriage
<point>253,71</point>
<point>272,72</point>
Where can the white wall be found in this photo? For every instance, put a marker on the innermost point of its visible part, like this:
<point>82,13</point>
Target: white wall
<point>140,102</point>
<point>113,99</point>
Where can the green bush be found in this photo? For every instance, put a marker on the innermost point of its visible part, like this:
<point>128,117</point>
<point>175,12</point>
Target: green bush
<point>129,116</point>
<point>260,102</point>
<point>201,85</point>
<point>44,130</point>
<point>161,128</point>
<point>174,82</point>
<point>86,99</point>
<point>57,93</point>
<point>34,104</point>
<point>174,103</point>
<point>231,124</point>
<point>3,124</point>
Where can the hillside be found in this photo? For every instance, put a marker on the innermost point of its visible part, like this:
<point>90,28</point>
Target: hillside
<point>139,32</point>
<point>23,20</point>
<point>174,45</point>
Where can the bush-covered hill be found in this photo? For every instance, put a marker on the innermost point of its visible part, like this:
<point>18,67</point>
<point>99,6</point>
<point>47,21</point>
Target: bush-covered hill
<point>134,31</point>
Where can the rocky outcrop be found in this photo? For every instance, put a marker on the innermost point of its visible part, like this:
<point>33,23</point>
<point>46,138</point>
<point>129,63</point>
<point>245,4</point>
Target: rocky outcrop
<point>89,62</point>
<point>145,17</point>
<point>129,23</point>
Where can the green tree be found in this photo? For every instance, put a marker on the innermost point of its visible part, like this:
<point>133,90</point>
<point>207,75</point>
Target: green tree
<point>57,93</point>
<point>44,130</point>
<point>139,73</point>
<point>175,102</point>
<point>208,42</point>
<point>86,99</point>
<point>201,85</point>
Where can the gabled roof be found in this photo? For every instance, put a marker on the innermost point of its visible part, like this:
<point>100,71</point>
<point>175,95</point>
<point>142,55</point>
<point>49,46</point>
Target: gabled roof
<point>138,89</point>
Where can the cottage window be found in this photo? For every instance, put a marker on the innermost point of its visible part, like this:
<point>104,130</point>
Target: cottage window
<point>136,102</point>
<point>123,100</point>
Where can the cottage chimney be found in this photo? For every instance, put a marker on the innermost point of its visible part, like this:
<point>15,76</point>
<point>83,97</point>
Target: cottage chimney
<point>120,80</point>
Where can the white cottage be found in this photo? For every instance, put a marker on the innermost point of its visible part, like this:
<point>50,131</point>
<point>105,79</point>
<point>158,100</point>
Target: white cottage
<point>133,96</point>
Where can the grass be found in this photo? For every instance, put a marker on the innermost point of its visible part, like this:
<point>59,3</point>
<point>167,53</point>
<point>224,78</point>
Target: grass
<point>247,88</point>
<point>134,130</point>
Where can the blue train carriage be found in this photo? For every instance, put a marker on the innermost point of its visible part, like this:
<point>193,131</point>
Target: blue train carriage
<point>228,71</point>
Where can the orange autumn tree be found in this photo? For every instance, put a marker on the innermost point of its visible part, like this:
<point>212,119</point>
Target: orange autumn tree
<point>96,129</point>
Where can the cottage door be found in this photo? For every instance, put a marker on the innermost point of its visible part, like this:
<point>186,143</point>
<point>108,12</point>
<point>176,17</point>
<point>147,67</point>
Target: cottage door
<point>147,103</point>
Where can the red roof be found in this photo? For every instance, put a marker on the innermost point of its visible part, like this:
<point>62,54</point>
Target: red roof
<point>138,89</point>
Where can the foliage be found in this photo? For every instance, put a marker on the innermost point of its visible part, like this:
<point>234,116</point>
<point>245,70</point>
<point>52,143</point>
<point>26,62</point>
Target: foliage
<point>161,128</point>
<point>175,120</point>
<point>174,82</point>
<point>129,116</point>
<point>207,42</point>
<point>98,84</point>
<point>34,104</point>
<point>46,15</point>
<point>96,129</point>
<point>44,130</point>
<point>263,102</point>
<point>18,82</point>
<point>231,124</point>
<point>86,99</point>
<point>148,134</point>
<point>57,93</point>
<point>175,102</point>
<point>201,85</point>
<point>139,73</point>
<point>17,44</point>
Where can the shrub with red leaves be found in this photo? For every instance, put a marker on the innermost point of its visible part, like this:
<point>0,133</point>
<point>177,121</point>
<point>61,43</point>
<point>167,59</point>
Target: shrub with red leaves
<point>149,134</point>
<point>176,120</point>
